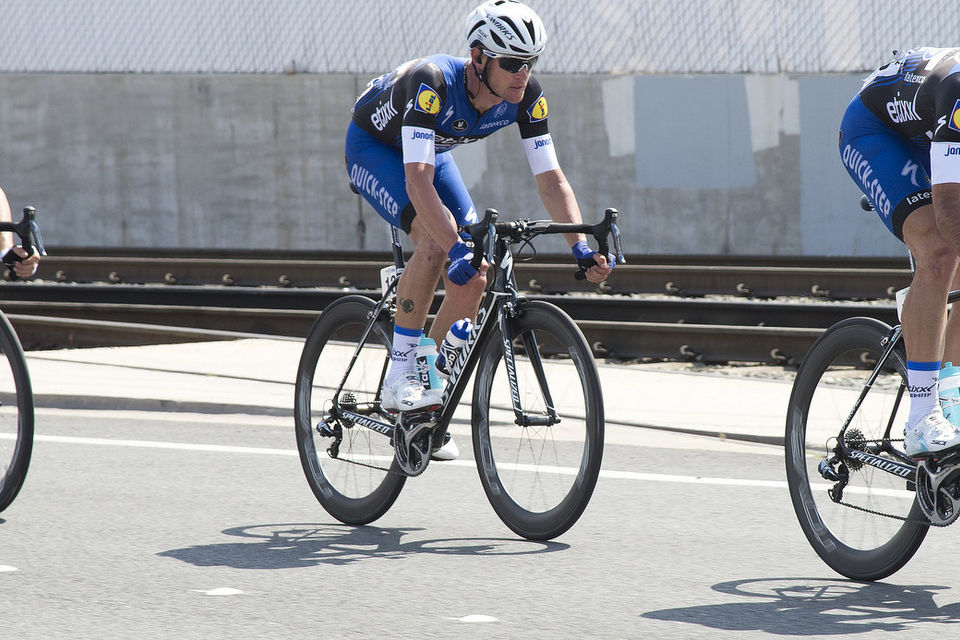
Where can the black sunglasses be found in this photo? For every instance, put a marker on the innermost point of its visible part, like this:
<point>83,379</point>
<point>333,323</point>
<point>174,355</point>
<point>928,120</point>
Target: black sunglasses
<point>514,65</point>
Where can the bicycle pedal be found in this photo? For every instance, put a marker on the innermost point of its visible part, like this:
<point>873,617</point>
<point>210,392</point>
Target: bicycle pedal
<point>951,459</point>
<point>418,417</point>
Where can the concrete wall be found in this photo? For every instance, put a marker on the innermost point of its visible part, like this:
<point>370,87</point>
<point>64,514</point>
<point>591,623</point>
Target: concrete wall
<point>709,164</point>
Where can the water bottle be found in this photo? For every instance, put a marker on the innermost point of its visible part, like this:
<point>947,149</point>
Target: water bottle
<point>949,391</point>
<point>426,366</point>
<point>452,345</point>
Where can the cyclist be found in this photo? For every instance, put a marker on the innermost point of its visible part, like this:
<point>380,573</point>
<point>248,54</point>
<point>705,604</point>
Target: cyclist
<point>900,142</point>
<point>25,264</point>
<point>397,152</point>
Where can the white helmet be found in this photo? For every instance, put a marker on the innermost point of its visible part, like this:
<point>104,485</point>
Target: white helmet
<point>506,28</point>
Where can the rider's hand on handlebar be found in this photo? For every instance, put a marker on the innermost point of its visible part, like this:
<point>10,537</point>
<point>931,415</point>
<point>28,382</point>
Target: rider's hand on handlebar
<point>460,271</point>
<point>597,266</point>
<point>22,264</point>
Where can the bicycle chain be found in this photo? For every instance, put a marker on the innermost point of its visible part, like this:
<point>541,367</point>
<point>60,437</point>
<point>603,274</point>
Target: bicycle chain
<point>370,466</point>
<point>890,515</point>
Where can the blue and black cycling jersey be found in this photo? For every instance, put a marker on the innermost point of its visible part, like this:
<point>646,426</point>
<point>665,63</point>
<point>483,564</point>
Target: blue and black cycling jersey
<point>888,128</point>
<point>431,93</point>
<point>917,94</point>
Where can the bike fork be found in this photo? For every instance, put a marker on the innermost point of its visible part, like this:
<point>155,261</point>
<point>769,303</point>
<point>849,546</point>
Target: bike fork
<point>533,353</point>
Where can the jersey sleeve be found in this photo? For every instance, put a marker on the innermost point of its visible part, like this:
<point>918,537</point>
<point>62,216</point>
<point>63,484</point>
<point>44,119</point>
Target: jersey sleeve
<point>532,111</point>
<point>426,90</point>
<point>534,132</point>
<point>947,104</point>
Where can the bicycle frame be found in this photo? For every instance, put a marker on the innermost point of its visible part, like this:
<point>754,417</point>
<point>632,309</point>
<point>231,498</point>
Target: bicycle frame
<point>500,302</point>
<point>907,467</point>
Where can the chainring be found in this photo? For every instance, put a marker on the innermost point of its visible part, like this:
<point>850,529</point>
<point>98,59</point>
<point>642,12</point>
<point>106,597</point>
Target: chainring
<point>938,492</point>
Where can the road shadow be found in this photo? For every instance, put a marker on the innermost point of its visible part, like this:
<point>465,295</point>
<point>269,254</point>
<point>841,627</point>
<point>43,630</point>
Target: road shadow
<point>817,607</point>
<point>287,546</point>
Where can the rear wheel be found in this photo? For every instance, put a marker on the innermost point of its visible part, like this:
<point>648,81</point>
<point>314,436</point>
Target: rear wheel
<point>540,477</point>
<point>350,468</point>
<point>854,542</point>
<point>16,415</point>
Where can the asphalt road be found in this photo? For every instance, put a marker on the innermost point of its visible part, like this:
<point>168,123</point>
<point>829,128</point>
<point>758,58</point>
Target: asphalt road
<point>157,525</point>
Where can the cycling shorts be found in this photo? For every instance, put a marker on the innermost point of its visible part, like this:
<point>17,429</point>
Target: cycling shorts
<point>892,171</point>
<point>376,170</point>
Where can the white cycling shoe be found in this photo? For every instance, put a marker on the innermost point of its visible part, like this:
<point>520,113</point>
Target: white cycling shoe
<point>406,393</point>
<point>449,450</point>
<point>931,434</point>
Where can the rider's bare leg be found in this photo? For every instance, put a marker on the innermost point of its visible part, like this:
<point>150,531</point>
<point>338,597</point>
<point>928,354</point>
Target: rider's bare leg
<point>459,301</point>
<point>924,314</point>
<point>419,279</point>
<point>924,310</point>
<point>951,349</point>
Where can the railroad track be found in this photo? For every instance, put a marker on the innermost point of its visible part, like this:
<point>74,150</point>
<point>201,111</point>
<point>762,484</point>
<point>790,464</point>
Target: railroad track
<point>713,313</point>
<point>746,277</point>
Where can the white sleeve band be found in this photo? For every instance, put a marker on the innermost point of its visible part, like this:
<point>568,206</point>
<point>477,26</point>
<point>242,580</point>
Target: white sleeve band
<point>540,154</point>
<point>418,145</point>
<point>944,162</point>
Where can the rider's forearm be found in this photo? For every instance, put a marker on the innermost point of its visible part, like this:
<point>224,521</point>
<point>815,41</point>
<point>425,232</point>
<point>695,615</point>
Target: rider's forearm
<point>560,201</point>
<point>430,210</point>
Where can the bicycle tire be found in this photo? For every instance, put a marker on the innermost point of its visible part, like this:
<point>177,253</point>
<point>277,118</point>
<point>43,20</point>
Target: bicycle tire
<point>537,479</point>
<point>16,415</point>
<point>854,543</point>
<point>351,493</point>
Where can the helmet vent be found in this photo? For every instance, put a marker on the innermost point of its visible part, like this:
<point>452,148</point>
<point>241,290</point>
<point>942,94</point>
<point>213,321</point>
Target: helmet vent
<point>530,29</point>
<point>514,28</point>
<point>474,28</point>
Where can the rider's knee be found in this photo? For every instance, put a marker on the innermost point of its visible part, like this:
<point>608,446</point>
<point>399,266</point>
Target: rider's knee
<point>473,288</point>
<point>938,260</point>
<point>430,251</point>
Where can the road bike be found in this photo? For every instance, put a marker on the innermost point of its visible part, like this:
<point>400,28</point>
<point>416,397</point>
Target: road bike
<point>864,505</point>
<point>537,408</point>
<point>16,394</point>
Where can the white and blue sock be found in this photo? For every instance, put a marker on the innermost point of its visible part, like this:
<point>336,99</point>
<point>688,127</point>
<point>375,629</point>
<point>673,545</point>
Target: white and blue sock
<point>922,384</point>
<point>404,355</point>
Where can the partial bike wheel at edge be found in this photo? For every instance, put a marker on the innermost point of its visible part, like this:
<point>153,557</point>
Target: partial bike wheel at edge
<point>362,481</point>
<point>16,415</point>
<point>539,478</point>
<point>852,538</point>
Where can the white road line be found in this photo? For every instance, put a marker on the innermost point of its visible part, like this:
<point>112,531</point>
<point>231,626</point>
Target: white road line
<point>150,444</point>
<point>604,473</point>
<point>616,475</point>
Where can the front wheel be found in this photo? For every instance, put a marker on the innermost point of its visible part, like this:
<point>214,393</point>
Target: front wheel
<point>16,415</point>
<point>350,468</point>
<point>851,536</point>
<point>539,474</point>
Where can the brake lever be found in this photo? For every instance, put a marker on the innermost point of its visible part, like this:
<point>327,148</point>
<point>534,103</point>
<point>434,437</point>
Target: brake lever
<point>37,239</point>
<point>600,233</point>
<point>30,239</point>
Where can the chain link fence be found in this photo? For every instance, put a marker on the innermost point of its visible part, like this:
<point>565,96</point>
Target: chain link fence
<point>370,36</point>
